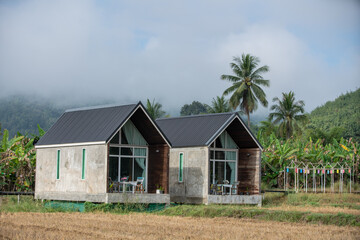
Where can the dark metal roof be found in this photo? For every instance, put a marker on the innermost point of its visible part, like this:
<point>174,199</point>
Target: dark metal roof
<point>87,125</point>
<point>201,130</point>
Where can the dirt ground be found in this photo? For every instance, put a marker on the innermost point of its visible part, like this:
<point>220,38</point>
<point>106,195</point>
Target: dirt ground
<point>146,226</point>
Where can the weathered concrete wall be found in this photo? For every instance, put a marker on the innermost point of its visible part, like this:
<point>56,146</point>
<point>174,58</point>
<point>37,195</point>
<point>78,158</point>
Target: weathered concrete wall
<point>194,188</point>
<point>106,197</point>
<point>70,171</point>
<point>137,198</point>
<point>235,199</point>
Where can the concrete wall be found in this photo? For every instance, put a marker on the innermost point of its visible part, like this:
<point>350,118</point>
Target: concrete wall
<point>70,171</point>
<point>194,188</point>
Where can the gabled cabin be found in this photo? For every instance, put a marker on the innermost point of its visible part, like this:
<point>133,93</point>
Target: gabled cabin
<point>214,159</point>
<point>87,154</point>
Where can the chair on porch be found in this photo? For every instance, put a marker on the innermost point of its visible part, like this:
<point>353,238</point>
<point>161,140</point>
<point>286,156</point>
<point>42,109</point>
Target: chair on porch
<point>235,187</point>
<point>215,189</point>
<point>111,185</point>
<point>139,184</point>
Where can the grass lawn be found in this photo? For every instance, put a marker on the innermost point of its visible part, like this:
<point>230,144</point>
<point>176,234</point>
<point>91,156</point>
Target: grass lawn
<point>328,209</point>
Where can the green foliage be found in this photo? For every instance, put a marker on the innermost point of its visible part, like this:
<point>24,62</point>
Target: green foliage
<point>212,211</point>
<point>154,109</point>
<point>115,208</point>
<point>17,162</point>
<point>342,113</point>
<point>246,82</point>
<point>195,108</point>
<point>287,113</point>
<point>279,153</point>
<point>26,204</point>
<point>22,114</point>
<point>219,105</point>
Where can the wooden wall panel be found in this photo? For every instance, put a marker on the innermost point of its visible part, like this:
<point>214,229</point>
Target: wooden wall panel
<point>249,170</point>
<point>158,167</point>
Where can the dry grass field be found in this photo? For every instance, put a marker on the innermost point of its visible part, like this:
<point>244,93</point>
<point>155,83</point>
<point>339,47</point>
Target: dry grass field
<point>149,226</point>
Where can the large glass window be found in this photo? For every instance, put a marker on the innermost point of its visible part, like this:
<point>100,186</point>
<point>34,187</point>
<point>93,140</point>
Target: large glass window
<point>128,154</point>
<point>223,159</point>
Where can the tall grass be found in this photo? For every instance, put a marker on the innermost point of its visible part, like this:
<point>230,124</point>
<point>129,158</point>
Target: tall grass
<point>26,204</point>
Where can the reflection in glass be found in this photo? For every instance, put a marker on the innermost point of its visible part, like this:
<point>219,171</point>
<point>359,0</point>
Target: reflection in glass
<point>126,151</point>
<point>114,168</point>
<point>219,172</point>
<point>114,151</point>
<point>126,168</point>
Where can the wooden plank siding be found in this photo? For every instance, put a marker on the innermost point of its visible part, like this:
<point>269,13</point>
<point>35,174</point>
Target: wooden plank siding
<point>249,170</point>
<point>158,167</point>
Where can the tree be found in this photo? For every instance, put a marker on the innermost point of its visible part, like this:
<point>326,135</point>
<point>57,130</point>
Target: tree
<point>194,108</point>
<point>245,89</point>
<point>266,128</point>
<point>219,105</point>
<point>288,113</point>
<point>154,109</point>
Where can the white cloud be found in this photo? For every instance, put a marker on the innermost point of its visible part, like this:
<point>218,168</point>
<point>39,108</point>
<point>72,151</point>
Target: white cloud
<point>175,51</point>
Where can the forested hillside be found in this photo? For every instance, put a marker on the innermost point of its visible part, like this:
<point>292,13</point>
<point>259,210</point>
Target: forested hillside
<point>343,112</point>
<point>22,114</point>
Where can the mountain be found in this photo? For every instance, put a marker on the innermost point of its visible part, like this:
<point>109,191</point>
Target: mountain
<point>343,112</point>
<point>22,114</point>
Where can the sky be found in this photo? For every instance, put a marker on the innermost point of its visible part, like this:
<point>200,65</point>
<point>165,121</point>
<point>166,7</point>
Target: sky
<point>176,51</point>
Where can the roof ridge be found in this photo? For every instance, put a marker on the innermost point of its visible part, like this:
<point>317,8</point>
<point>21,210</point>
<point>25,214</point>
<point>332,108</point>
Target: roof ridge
<point>98,107</point>
<point>199,115</point>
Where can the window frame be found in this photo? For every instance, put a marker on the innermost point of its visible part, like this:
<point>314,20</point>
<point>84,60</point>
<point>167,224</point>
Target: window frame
<point>213,160</point>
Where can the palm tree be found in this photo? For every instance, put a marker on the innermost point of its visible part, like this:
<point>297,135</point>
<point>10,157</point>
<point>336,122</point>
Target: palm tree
<point>154,109</point>
<point>219,105</point>
<point>267,127</point>
<point>288,113</point>
<point>245,88</point>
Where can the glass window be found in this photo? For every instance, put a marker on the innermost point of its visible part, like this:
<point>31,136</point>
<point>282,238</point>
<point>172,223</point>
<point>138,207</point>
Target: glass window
<point>83,165</point>
<point>114,151</point>
<point>212,175</point>
<point>219,172</point>
<point>58,165</point>
<point>126,151</point>
<point>128,159</point>
<point>130,135</point>
<point>230,171</point>
<point>115,139</point>
<point>140,169</point>
<point>223,163</point>
<point>230,155</point>
<point>181,163</point>
<point>123,138</point>
<point>140,152</point>
<point>220,155</point>
<point>114,168</point>
<point>212,156</point>
<point>126,168</point>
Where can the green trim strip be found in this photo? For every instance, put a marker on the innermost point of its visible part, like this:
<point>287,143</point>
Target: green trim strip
<point>181,167</point>
<point>58,165</point>
<point>83,165</point>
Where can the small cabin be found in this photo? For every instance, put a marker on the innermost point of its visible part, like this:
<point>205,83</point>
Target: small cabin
<point>103,154</point>
<point>214,158</point>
